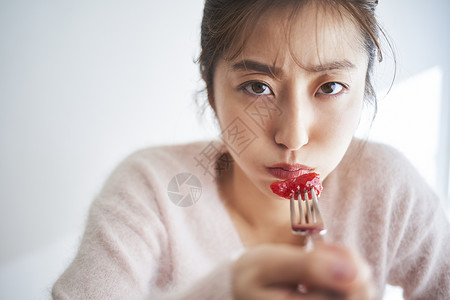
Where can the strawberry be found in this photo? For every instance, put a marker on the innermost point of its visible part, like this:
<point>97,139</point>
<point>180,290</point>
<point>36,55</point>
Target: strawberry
<point>300,184</point>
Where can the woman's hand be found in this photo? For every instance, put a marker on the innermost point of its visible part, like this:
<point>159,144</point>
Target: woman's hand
<point>281,271</point>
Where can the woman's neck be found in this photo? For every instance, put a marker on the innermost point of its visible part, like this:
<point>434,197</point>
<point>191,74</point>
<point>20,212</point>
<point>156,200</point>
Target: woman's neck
<point>257,217</point>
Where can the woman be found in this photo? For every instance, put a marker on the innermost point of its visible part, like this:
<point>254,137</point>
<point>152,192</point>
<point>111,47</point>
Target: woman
<point>287,81</point>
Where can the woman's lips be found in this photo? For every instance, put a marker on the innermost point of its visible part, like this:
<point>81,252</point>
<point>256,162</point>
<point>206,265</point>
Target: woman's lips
<point>286,171</point>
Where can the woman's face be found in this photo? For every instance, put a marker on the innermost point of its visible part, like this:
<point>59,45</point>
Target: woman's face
<point>290,105</point>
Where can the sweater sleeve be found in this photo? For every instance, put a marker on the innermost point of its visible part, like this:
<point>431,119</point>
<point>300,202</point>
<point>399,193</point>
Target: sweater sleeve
<point>421,261</point>
<point>122,252</point>
<point>214,286</point>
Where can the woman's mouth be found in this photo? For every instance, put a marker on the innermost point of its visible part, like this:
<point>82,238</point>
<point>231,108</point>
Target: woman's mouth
<point>286,171</point>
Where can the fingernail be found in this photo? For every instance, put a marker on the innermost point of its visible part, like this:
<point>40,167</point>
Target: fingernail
<point>343,271</point>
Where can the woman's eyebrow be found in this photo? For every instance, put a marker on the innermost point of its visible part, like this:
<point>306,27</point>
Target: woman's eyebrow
<point>251,65</point>
<point>331,66</point>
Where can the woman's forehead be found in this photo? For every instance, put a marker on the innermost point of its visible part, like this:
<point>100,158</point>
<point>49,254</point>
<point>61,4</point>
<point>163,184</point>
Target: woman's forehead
<point>314,36</point>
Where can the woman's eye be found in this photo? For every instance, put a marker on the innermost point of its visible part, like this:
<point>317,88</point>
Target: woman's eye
<point>331,88</point>
<point>257,88</point>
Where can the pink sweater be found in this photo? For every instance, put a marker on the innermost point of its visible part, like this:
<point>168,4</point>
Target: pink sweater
<point>138,244</point>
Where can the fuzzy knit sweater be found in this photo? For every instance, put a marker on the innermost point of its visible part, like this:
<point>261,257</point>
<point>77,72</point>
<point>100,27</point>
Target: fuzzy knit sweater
<point>143,240</point>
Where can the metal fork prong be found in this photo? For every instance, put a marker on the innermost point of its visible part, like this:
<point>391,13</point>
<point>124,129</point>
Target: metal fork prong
<point>300,209</point>
<point>317,215</point>
<point>308,209</point>
<point>293,214</point>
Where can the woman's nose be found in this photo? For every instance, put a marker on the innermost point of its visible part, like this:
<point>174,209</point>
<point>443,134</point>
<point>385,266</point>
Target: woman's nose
<point>292,128</point>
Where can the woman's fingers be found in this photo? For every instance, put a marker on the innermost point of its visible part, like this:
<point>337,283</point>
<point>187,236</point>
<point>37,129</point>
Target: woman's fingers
<point>325,266</point>
<point>270,270</point>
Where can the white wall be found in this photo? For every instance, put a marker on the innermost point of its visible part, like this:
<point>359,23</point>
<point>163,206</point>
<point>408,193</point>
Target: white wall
<point>84,83</point>
<point>415,115</point>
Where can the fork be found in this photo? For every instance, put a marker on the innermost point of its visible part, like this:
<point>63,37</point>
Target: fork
<point>309,221</point>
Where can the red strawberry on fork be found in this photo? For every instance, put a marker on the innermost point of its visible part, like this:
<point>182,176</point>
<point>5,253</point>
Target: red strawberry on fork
<point>298,185</point>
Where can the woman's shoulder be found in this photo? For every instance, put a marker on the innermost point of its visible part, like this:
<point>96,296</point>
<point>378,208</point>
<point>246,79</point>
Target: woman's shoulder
<point>177,151</point>
<point>176,156</point>
<point>376,159</point>
<point>374,151</point>
<point>157,165</point>
<point>371,166</point>
<point>377,168</point>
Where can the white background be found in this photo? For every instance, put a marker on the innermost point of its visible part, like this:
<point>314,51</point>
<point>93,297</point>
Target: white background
<point>85,83</point>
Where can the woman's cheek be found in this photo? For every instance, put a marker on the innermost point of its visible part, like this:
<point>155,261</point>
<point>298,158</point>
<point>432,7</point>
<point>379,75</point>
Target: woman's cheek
<point>237,132</point>
<point>247,120</point>
<point>344,121</point>
<point>333,135</point>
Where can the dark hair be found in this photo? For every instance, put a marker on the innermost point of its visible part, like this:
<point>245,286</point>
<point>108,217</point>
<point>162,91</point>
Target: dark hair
<point>227,23</point>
